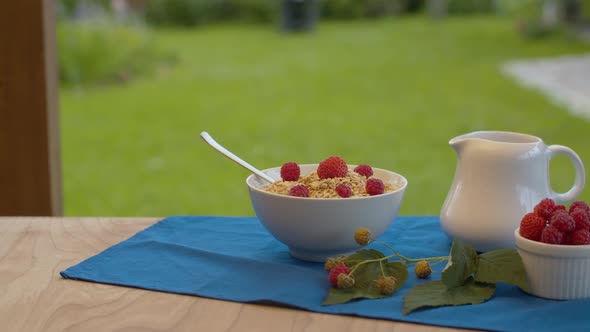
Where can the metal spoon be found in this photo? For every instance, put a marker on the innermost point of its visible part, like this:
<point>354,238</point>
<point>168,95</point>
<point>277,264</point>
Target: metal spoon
<point>233,157</point>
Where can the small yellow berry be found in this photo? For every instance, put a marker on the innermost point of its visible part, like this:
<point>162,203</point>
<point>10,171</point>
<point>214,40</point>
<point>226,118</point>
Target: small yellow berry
<point>422,269</point>
<point>345,281</point>
<point>330,263</point>
<point>362,236</point>
<point>386,285</point>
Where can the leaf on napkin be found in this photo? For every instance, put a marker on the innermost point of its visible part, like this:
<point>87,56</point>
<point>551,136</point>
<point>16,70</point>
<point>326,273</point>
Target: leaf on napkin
<point>502,265</point>
<point>363,254</point>
<point>437,294</point>
<point>365,276</point>
<point>462,264</point>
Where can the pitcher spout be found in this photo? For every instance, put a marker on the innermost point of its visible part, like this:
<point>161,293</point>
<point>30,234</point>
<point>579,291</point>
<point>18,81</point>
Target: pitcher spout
<point>458,143</point>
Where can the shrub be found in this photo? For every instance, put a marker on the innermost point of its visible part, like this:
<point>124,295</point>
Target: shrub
<point>354,9</point>
<point>100,50</point>
<point>520,8</point>
<point>535,29</point>
<point>182,12</point>
<point>255,11</point>
<point>198,12</point>
<point>470,6</point>
<point>342,9</point>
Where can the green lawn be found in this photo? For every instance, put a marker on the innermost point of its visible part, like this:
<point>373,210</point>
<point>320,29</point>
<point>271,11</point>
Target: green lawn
<point>389,93</point>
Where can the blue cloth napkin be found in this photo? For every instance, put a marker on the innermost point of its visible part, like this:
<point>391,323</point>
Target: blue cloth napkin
<point>236,259</point>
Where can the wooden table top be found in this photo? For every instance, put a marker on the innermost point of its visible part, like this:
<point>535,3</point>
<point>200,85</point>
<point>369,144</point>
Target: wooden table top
<point>34,297</point>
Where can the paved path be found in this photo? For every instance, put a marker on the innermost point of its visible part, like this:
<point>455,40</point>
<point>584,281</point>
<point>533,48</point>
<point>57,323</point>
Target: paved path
<point>565,80</point>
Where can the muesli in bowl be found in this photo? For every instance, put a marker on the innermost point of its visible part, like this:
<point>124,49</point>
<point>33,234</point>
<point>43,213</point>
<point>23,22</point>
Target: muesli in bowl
<point>332,179</point>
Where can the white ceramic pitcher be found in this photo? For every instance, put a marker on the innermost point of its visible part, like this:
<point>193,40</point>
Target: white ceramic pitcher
<point>500,176</point>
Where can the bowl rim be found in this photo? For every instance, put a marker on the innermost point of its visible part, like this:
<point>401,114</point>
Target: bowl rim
<point>389,193</point>
<point>553,250</point>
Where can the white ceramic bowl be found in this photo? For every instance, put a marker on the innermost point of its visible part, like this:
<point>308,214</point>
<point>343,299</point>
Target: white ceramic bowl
<point>559,272</point>
<point>317,228</point>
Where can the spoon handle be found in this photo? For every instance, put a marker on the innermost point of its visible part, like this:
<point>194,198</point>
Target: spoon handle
<point>233,157</point>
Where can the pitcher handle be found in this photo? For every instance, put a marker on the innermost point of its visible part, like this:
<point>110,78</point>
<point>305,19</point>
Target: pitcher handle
<point>576,190</point>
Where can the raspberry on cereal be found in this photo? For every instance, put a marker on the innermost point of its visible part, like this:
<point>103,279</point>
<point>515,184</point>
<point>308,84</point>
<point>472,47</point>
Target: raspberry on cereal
<point>299,191</point>
<point>374,187</point>
<point>551,235</point>
<point>545,208</point>
<point>531,226</point>
<point>364,169</point>
<point>290,171</point>
<point>343,190</point>
<point>332,167</point>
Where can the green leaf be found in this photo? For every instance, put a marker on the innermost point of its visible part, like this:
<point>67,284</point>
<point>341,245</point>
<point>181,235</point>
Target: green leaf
<point>365,276</point>
<point>462,264</point>
<point>437,294</point>
<point>362,255</point>
<point>502,265</point>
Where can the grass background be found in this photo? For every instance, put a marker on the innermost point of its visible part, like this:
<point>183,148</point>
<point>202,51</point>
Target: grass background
<point>390,93</point>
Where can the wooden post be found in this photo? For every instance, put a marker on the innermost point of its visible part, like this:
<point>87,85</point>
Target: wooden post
<point>30,174</point>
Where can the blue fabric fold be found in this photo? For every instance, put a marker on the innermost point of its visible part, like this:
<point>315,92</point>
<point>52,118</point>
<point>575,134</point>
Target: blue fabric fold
<point>236,259</point>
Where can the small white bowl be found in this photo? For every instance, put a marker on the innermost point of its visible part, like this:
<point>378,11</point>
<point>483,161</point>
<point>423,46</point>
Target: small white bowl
<point>317,228</point>
<point>559,272</point>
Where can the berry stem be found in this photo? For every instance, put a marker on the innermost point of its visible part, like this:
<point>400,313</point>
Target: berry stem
<point>412,260</point>
<point>370,261</point>
<point>385,258</point>
<point>356,263</point>
<point>428,259</point>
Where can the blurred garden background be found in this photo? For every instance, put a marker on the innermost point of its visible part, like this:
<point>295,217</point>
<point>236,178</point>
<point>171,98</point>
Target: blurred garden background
<point>382,82</point>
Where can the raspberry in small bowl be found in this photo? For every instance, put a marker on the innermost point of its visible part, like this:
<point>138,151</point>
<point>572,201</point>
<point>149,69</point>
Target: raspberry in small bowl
<point>555,271</point>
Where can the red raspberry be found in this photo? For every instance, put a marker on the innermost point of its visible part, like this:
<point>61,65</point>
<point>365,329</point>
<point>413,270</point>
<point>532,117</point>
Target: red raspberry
<point>557,208</point>
<point>364,169</point>
<point>290,171</point>
<point>551,235</point>
<point>333,167</point>
<point>562,221</point>
<point>374,187</point>
<point>335,271</point>
<point>580,204</point>
<point>580,237</point>
<point>567,238</point>
<point>545,208</point>
<point>581,217</point>
<point>343,190</point>
<point>299,191</point>
<point>531,226</point>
